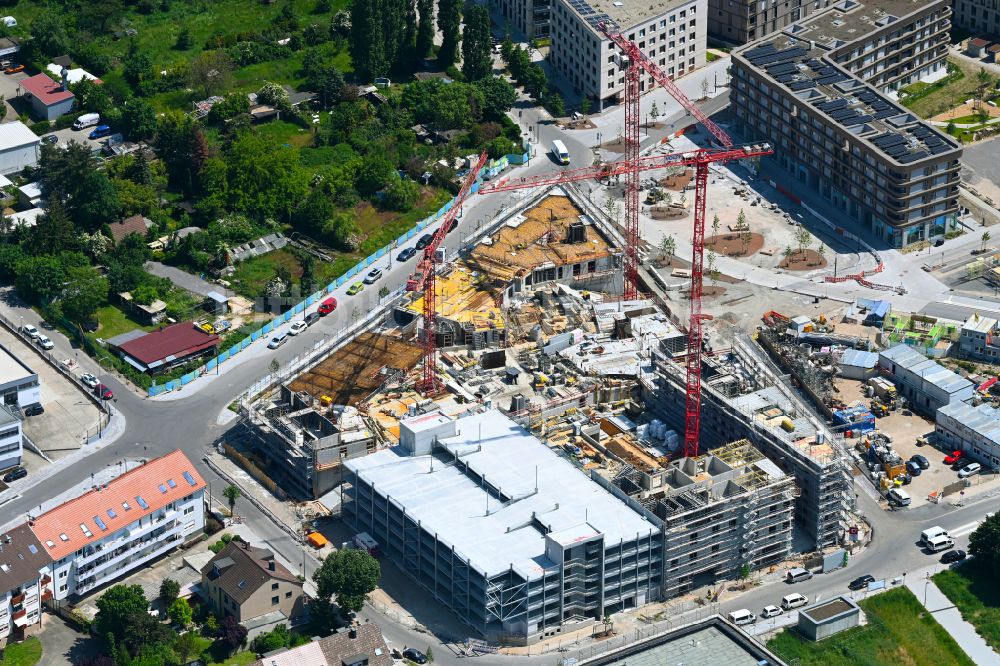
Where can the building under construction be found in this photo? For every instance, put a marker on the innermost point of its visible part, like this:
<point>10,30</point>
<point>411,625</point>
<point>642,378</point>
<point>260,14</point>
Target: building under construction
<point>718,513</point>
<point>744,396</point>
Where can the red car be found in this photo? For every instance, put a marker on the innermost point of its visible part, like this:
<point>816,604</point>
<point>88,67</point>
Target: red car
<point>103,392</point>
<point>327,306</point>
<point>952,457</point>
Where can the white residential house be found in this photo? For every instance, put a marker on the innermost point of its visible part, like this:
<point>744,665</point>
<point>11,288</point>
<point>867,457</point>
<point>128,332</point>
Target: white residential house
<point>117,527</point>
<point>25,584</point>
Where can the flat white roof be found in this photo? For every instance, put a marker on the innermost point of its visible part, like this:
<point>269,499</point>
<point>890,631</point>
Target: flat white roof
<point>16,134</point>
<point>12,370</point>
<point>27,218</point>
<point>495,535</point>
<point>425,421</point>
<point>31,190</point>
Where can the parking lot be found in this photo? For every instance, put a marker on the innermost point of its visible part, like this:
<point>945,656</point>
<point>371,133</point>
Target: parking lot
<point>64,136</point>
<point>70,416</point>
<point>9,88</point>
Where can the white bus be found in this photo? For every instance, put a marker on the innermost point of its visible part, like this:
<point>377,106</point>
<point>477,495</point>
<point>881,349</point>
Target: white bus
<point>559,152</point>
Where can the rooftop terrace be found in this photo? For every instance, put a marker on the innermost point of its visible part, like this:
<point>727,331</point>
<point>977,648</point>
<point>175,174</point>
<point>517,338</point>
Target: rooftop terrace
<point>857,108</point>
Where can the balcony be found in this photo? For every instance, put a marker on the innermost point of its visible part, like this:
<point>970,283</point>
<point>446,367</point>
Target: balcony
<point>125,552</point>
<point>127,537</point>
<point>172,542</point>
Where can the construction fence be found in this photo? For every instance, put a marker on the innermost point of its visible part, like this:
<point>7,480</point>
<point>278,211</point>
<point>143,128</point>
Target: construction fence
<point>491,169</point>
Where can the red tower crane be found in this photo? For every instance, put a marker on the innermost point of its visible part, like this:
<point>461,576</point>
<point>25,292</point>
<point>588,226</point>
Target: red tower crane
<point>425,280</point>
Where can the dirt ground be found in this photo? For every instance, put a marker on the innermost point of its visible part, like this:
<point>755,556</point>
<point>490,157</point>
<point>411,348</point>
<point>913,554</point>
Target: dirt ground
<point>803,261</point>
<point>731,245</point>
<point>677,182</point>
<point>965,110</point>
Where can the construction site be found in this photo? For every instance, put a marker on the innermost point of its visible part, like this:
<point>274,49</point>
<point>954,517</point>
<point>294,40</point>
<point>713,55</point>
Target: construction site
<point>537,435</point>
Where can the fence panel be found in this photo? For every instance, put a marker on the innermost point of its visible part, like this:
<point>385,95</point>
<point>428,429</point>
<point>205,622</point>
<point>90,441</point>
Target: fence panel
<point>156,390</point>
<point>211,365</point>
<point>188,378</point>
<point>224,356</point>
<point>246,342</point>
<point>266,328</point>
<point>299,308</point>
<point>172,385</point>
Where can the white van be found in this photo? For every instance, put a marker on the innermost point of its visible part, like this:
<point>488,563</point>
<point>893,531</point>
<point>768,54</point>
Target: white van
<point>931,532</point>
<point>741,617</point>
<point>278,340</point>
<point>793,600</point>
<point>900,497</point>
<point>87,120</point>
<point>559,152</point>
<point>940,542</point>
<point>797,574</point>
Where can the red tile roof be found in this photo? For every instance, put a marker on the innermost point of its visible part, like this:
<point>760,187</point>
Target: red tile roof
<point>170,342</point>
<point>137,224</point>
<point>45,89</point>
<point>144,481</point>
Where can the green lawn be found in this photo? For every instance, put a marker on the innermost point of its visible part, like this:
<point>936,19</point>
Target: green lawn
<point>115,322</point>
<point>238,659</point>
<point>899,632</point>
<point>946,97</point>
<point>284,133</point>
<point>975,592</point>
<point>23,654</point>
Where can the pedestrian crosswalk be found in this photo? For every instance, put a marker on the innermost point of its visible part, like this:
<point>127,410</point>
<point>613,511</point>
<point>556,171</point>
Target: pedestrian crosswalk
<point>962,530</point>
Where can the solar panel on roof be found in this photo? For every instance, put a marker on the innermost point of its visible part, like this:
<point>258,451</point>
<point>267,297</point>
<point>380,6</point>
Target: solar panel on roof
<point>940,148</point>
<point>100,523</point>
<point>857,120</point>
<point>803,85</point>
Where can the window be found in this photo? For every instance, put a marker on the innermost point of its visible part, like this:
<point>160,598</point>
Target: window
<point>62,588</point>
<point>274,586</point>
<point>100,523</point>
<point>288,595</point>
<point>142,502</point>
<point>162,488</point>
<point>274,601</point>
<point>112,514</point>
<point>171,483</point>
<point>62,574</point>
<point>188,510</point>
<point>126,506</point>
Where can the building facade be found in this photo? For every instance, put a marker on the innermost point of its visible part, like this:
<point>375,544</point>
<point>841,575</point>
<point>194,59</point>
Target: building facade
<point>19,385</point>
<point>673,35</point>
<point>48,99</point>
<point>980,17</point>
<point>529,17</point>
<point>504,532</point>
<point>113,529</point>
<point>11,439</point>
<point>19,147</point>
<point>980,339</point>
<point>924,383</point>
<point>25,584</point>
<point>742,21</point>
<point>973,430</point>
<point>871,159</point>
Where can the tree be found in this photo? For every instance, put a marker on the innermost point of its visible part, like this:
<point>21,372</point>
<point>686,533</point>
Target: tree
<point>716,225</point>
<point>986,238</point>
<point>117,611</point>
<point>554,103</point>
<point>710,259</point>
<point>350,575</point>
<point>137,65</point>
<point>585,105</point>
<point>139,119</point>
<point>367,43</point>
<point>499,97</point>
<point>984,543</point>
<point>210,72</point>
<point>275,639</point>
<point>654,112</point>
<point>184,41</point>
<point>39,279</point>
<point>476,44</point>
<point>704,87</point>
<point>48,33</point>
<point>263,179</point>
<point>803,238</point>
<point>232,634</point>
<point>741,221</point>
<point>449,18</point>
<point>86,290</point>
<point>185,645</point>
<point>401,194</point>
<point>744,572</point>
<point>169,589</point>
<point>312,214</point>
<point>425,28</point>
<point>274,95</point>
<point>180,612</point>
<point>746,238</point>
<point>53,233</point>
<point>232,493</point>
<point>668,245</point>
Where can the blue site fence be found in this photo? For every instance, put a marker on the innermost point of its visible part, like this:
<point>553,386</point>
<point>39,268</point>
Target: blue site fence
<point>492,168</point>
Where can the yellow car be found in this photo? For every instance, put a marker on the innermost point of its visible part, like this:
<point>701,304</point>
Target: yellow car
<point>356,288</point>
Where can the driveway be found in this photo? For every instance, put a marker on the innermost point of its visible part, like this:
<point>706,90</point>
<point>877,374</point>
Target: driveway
<point>61,644</point>
<point>183,279</point>
<point>9,89</point>
<point>80,136</point>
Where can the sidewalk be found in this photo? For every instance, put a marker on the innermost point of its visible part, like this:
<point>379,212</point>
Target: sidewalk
<point>947,615</point>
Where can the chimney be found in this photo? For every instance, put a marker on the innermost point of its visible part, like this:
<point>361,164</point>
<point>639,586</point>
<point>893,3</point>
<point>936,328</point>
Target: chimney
<point>270,565</point>
<point>352,633</point>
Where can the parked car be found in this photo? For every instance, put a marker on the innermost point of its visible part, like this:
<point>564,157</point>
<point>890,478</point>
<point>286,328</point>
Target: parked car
<point>327,306</point>
<point>861,582</point>
<point>100,132</point>
<point>34,410</point>
<point>913,468</point>
<point>969,470</point>
<point>406,254</point>
<point>44,342</point>
<point>794,600</point>
<point>15,474</point>
<point>311,318</point>
<point>374,275</point>
<point>297,327</point>
<point>771,611</point>
<point>355,288</point>
<point>797,574</point>
<point>103,392</point>
<point>953,556</point>
<point>920,460</point>
<point>414,655</point>
<point>452,226</point>
<point>278,340</point>
<point>952,457</point>
<point>741,617</point>
<point>13,68</point>
<point>30,331</point>
<point>89,380</point>
<point>424,241</point>
<point>50,138</point>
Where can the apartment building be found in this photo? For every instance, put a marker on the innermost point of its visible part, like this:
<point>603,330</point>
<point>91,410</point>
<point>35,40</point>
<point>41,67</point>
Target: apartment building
<point>671,32</point>
<point>529,17</point>
<point>117,527</point>
<point>980,17</point>
<point>500,529</point>
<point>972,429</point>
<point>887,44</point>
<point>25,584</point>
<point>741,21</point>
<point>980,339</point>
<point>718,512</point>
<point>927,385</point>
<point>873,160</point>
<point>250,585</point>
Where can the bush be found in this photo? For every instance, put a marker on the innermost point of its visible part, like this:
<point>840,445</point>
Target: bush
<point>41,127</point>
